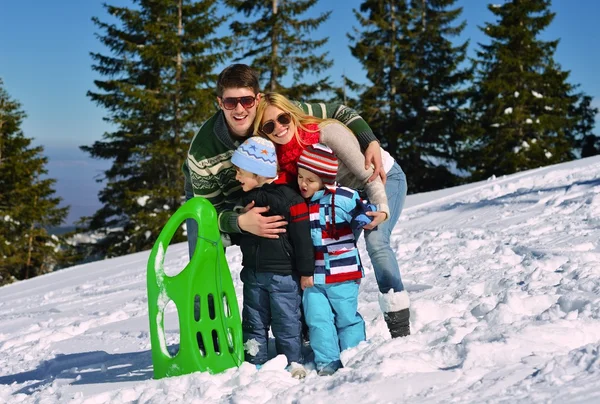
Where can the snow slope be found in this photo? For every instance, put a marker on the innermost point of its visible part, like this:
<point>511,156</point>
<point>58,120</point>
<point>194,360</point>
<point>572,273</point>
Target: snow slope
<point>504,278</point>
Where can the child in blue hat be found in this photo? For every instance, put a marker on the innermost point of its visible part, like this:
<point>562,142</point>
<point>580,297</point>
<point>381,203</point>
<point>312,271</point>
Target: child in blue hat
<point>272,267</point>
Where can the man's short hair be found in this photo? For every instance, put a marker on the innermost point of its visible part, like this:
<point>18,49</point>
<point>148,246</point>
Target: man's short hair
<point>237,76</point>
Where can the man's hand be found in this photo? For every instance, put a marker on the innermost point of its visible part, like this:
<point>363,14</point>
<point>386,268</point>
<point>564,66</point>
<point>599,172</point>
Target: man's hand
<point>373,158</point>
<point>247,207</point>
<point>378,218</point>
<point>254,222</point>
<point>307,282</point>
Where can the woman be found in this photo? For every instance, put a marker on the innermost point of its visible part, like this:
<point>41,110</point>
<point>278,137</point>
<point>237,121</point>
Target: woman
<point>292,130</point>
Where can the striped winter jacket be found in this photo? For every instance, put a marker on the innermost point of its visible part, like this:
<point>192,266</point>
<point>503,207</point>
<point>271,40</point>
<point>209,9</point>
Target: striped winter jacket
<point>336,254</point>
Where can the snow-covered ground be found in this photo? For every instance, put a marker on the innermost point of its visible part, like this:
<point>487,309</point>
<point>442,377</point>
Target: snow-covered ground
<point>504,278</point>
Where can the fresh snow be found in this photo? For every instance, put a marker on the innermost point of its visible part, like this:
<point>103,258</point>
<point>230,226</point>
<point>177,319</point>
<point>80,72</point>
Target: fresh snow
<point>142,200</point>
<point>504,281</point>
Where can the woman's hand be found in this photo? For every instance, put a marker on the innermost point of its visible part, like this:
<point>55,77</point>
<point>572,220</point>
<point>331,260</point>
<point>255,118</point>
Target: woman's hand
<point>378,218</point>
<point>373,158</point>
<point>307,282</point>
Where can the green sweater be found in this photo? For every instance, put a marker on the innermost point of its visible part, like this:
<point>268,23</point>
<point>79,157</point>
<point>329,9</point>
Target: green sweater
<point>208,167</point>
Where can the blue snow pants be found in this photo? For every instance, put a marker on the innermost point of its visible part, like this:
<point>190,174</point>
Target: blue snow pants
<point>333,320</point>
<point>271,300</point>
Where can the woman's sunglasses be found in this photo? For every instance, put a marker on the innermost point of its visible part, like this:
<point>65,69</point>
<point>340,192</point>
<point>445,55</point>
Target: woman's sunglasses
<point>232,102</point>
<point>284,119</point>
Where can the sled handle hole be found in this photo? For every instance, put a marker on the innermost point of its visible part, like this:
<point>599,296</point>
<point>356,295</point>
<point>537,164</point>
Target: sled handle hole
<point>215,338</point>
<point>211,306</point>
<point>197,308</point>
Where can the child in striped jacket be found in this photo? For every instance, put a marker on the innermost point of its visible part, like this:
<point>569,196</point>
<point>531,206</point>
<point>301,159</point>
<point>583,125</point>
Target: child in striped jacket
<point>330,298</point>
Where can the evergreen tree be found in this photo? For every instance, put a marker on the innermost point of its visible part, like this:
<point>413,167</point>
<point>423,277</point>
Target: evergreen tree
<point>27,202</point>
<point>522,102</point>
<point>417,92</point>
<point>585,113</point>
<point>279,43</point>
<point>157,89</point>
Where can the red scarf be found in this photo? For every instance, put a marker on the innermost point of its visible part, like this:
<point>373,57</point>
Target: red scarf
<point>288,154</point>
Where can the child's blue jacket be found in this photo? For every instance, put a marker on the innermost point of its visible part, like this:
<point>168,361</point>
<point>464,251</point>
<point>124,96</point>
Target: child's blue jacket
<point>336,254</point>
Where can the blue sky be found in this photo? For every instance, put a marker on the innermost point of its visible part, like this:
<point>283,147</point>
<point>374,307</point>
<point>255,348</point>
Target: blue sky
<point>45,64</point>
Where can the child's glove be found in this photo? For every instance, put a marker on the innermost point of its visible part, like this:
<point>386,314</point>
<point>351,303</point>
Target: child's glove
<point>360,218</point>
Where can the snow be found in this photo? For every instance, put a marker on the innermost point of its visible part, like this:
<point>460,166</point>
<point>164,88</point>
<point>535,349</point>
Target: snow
<point>434,108</point>
<point>252,347</point>
<point>504,282</point>
<point>142,200</point>
<point>508,111</point>
<point>7,218</point>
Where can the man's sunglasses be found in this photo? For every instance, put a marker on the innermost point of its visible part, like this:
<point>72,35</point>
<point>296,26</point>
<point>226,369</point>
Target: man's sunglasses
<point>232,102</point>
<point>284,119</point>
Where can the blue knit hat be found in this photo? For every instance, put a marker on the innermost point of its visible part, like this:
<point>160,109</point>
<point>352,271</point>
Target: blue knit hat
<point>256,155</point>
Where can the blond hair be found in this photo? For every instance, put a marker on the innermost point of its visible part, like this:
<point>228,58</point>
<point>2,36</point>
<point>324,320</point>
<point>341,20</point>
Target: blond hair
<point>299,118</point>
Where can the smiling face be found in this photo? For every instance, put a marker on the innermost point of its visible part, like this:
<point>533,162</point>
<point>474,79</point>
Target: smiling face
<point>309,183</point>
<point>248,180</point>
<point>240,119</point>
<point>282,133</point>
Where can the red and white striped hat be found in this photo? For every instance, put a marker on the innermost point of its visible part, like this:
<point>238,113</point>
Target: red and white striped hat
<point>320,160</point>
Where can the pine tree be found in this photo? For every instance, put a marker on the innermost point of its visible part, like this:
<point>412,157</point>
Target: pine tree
<point>279,43</point>
<point>417,91</point>
<point>157,89</point>
<point>27,202</point>
<point>522,102</point>
<point>588,142</point>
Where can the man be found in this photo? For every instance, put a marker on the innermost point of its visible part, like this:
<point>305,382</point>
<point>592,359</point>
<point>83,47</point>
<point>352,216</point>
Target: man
<point>208,169</point>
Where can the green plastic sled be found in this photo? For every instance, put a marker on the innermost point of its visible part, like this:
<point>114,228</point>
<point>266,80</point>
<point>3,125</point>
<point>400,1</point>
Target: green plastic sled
<point>209,318</point>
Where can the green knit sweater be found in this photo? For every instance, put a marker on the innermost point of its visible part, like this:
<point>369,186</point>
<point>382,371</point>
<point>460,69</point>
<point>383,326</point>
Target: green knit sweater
<point>208,167</point>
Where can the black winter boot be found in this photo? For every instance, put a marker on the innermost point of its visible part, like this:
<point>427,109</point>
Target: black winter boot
<point>398,322</point>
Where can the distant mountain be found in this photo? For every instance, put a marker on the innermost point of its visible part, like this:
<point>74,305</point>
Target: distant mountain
<point>59,231</point>
<point>76,178</point>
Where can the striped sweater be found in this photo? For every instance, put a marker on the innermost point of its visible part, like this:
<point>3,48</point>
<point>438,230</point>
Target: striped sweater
<point>336,255</point>
<point>208,167</point>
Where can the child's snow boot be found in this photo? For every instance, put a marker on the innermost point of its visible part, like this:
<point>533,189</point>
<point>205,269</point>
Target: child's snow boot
<point>296,370</point>
<point>398,322</point>
<point>330,368</point>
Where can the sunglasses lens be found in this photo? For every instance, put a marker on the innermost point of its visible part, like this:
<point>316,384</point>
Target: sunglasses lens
<point>268,127</point>
<point>284,119</point>
<point>247,102</point>
<point>230,103</point>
